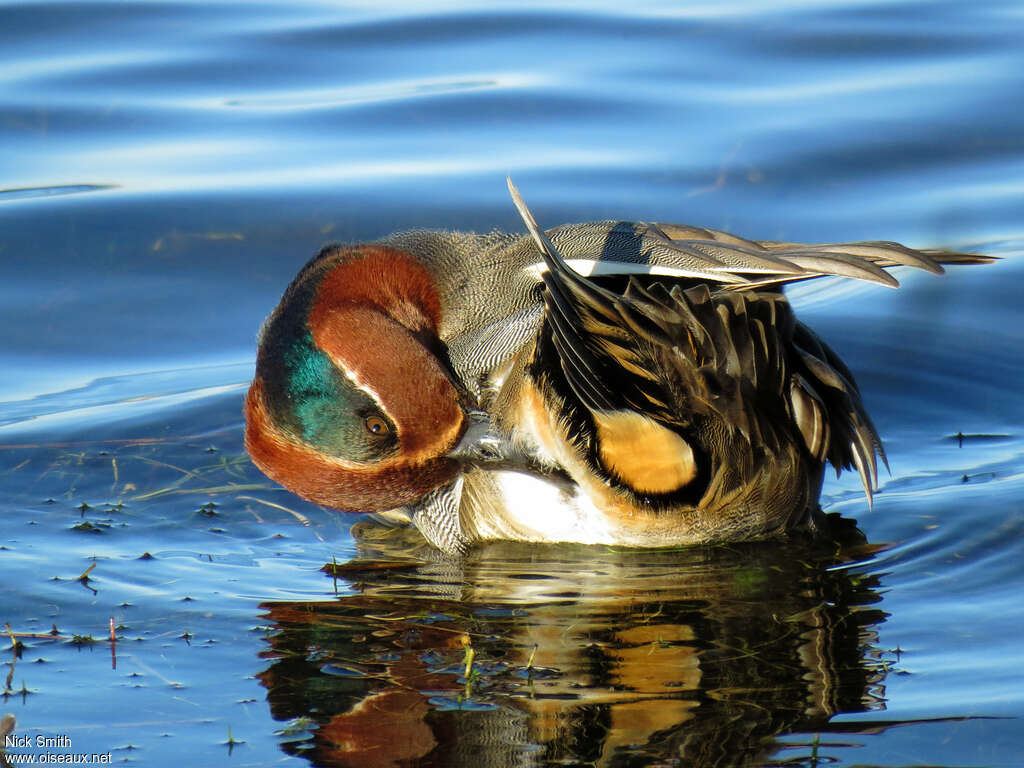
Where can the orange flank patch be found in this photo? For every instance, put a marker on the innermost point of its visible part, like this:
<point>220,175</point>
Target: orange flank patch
<point>645,455</point>
<point>332,481</point>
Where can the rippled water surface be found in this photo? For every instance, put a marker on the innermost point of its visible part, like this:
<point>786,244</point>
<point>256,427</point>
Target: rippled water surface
<point>165,169</point>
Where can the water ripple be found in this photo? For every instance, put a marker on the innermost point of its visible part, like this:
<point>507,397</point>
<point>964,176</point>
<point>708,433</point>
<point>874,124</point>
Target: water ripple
<point>22,193</point>
<point>369,93</point>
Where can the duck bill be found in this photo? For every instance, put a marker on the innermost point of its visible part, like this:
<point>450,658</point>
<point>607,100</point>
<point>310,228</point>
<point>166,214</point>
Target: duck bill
<point>478,444</point>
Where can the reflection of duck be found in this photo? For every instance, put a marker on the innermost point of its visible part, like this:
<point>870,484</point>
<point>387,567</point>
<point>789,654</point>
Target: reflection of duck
<point>7,723</point>
<point>582,655</point>
<point>483,387</point>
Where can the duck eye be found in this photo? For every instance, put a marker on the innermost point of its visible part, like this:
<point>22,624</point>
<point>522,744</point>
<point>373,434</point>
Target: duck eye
<point>375,425</point>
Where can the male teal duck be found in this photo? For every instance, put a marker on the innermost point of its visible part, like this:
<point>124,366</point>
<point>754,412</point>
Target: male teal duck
<point>613,382</point>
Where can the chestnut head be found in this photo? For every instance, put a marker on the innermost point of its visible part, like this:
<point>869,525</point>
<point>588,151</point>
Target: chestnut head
<point>353,405</point>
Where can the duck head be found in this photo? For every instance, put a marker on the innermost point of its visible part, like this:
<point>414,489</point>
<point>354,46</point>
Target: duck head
<point>353,405</point>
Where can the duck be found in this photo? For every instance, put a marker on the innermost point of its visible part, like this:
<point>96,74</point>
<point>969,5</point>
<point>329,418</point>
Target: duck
<point>618,383</point>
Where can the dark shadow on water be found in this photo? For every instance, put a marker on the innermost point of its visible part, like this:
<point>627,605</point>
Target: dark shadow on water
<point>575,655</point>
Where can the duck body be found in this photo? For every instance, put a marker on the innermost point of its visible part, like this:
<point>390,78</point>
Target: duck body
<point>603,383</point>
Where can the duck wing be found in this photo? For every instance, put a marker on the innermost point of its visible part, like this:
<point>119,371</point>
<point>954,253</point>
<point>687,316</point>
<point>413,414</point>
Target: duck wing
<point>670,354</point>
<point>732,262</point>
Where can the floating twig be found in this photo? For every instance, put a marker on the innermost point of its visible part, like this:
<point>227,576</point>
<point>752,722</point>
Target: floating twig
<point>297,515</point>
<point>174,491</point>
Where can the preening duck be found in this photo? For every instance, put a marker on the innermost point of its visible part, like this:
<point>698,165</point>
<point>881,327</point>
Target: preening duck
<point>613,382</point>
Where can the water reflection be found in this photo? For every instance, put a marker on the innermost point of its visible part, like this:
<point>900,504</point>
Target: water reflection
<point>575,655</point>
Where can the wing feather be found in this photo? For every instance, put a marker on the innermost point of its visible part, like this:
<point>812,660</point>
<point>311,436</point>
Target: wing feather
<point>723,347</point>
<point>730,262</point>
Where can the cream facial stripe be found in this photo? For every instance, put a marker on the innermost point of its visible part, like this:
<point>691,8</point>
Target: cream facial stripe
<point>360,385</point>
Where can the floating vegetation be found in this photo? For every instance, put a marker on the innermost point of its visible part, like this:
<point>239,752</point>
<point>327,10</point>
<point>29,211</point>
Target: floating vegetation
<point>232,742</point>
<point>209,509</point>
<point>298,726</point>
<point>977,437</point>
<point>87,526</point>
<point>85,574</point>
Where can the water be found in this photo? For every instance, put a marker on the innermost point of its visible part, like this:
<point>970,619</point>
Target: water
<point>165,168</point>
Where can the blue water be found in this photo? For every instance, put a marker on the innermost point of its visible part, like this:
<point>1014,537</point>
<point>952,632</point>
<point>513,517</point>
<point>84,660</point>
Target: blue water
<point>166,168</point>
